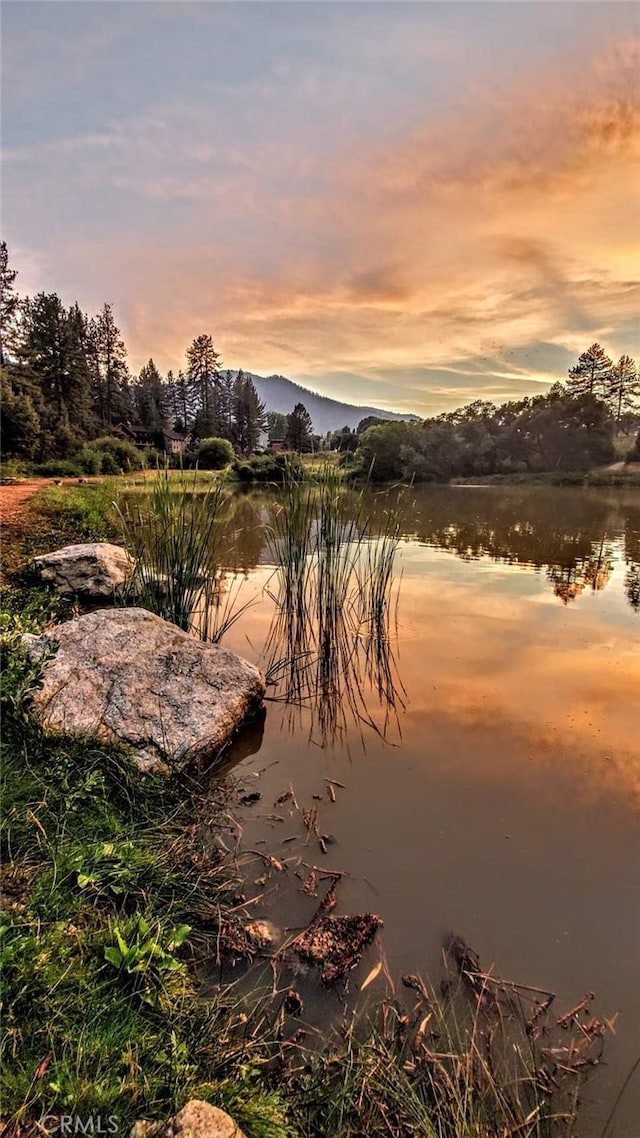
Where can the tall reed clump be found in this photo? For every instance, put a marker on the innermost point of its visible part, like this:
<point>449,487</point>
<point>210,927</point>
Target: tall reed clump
<point>334,599</point>
<point>177,536</point>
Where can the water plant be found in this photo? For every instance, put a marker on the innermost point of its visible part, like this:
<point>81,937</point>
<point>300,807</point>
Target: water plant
<point>177,535</point>
<point>334,595</point>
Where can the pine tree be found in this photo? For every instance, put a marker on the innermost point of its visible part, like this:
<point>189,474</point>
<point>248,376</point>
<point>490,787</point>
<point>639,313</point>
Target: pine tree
<point>108,359</point>
<point>276,425</point>
<point>623,391</point>
<point>203,373</point>
<point>151,399</point>
<point>180,400</point>
<point>591,375</point>
<point>9,301</point>
<point>248,414</point>
<point>52,349</point>
<point>225,406</point>
<point>20,426</point>
<point>299,430</point>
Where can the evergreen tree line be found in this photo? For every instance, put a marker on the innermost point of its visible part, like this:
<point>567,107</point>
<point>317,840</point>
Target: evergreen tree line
<point>65,380</point>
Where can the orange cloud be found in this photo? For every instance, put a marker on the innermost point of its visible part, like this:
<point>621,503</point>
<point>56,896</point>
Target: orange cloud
<point>512,223</point>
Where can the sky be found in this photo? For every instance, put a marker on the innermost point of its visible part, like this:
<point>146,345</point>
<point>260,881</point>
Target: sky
<point>409,205</point>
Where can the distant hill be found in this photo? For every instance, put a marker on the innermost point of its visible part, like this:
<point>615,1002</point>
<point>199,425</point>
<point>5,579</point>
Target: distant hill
<point>281,394</point>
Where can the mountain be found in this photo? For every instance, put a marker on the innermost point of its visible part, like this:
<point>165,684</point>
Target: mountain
<point>281,394</point>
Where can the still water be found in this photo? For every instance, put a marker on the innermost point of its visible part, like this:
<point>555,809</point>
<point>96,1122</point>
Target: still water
<point>501,798</point>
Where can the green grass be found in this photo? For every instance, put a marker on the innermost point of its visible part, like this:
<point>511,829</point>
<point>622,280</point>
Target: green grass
<point>602,477</point>
<point>110,891</point>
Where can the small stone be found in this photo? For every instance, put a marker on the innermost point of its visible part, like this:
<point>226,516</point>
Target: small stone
<point>195,1120</point>
<point>96,569</point>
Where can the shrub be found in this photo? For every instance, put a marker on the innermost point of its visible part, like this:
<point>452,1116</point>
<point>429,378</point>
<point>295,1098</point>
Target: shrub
<point>214,454</point>
<point>90,461</point>
<point>109,464</point>
<point>58,468</point>
<point>124,454</point>
<point>153,457</point>
<point>267,467</point>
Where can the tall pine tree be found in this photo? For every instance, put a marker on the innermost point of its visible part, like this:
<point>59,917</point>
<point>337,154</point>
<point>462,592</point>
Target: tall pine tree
<point>203,373</point>
<point>180,401</point>
<point>53,349</point>
<point>110,375</point>
<point>151,399</point>
<point>623,393</point>
<point>248,414</point>
<point>20,399</point>
<point>592,373</point>
<point>299,430</point>
<point>9,302</point>
<point>226,406</point>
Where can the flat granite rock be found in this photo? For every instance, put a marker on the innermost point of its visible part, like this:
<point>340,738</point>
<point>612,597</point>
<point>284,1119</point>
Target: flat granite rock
<point>96,569</point>
<point>127,675</point>
<point>195,1120</point>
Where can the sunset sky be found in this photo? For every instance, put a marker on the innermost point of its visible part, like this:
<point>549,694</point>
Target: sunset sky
<point>409,205</point>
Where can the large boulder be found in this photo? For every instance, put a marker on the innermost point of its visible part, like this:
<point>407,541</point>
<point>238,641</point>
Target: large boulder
<point>195,1120</point>
<point>97,569</point>
<point>127,675</point>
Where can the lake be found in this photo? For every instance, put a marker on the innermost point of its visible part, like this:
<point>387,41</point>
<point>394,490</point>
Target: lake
<point>500,798</point>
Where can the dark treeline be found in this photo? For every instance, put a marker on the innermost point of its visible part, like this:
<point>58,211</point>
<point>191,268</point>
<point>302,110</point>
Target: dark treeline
<point>66,382</point>
<point>571,428</point>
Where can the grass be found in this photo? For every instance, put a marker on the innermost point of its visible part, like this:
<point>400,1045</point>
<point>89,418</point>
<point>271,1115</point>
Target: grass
<point>111,889</point>
<point>602,477</point>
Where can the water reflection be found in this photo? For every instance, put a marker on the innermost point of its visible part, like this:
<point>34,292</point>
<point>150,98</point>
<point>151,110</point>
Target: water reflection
<point>510,810</point>
<point>336,681</point>
<point>575,536</point>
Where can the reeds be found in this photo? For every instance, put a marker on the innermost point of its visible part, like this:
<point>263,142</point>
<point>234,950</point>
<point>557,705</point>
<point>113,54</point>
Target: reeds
<point>177,536</point>
<point>334,598</point>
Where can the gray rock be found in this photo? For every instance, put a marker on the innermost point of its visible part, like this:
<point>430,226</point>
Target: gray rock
<point>195,1120</point>
<point>127,675</point>
<point>93,570</point>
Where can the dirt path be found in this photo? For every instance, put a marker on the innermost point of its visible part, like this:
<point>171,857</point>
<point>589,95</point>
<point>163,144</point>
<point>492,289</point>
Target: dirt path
<point>13,498</point>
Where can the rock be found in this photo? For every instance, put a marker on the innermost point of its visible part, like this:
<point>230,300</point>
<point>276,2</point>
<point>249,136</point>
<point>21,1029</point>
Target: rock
<point>195,1120</point>
<point>93,570</point>
<point>127,675</point>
